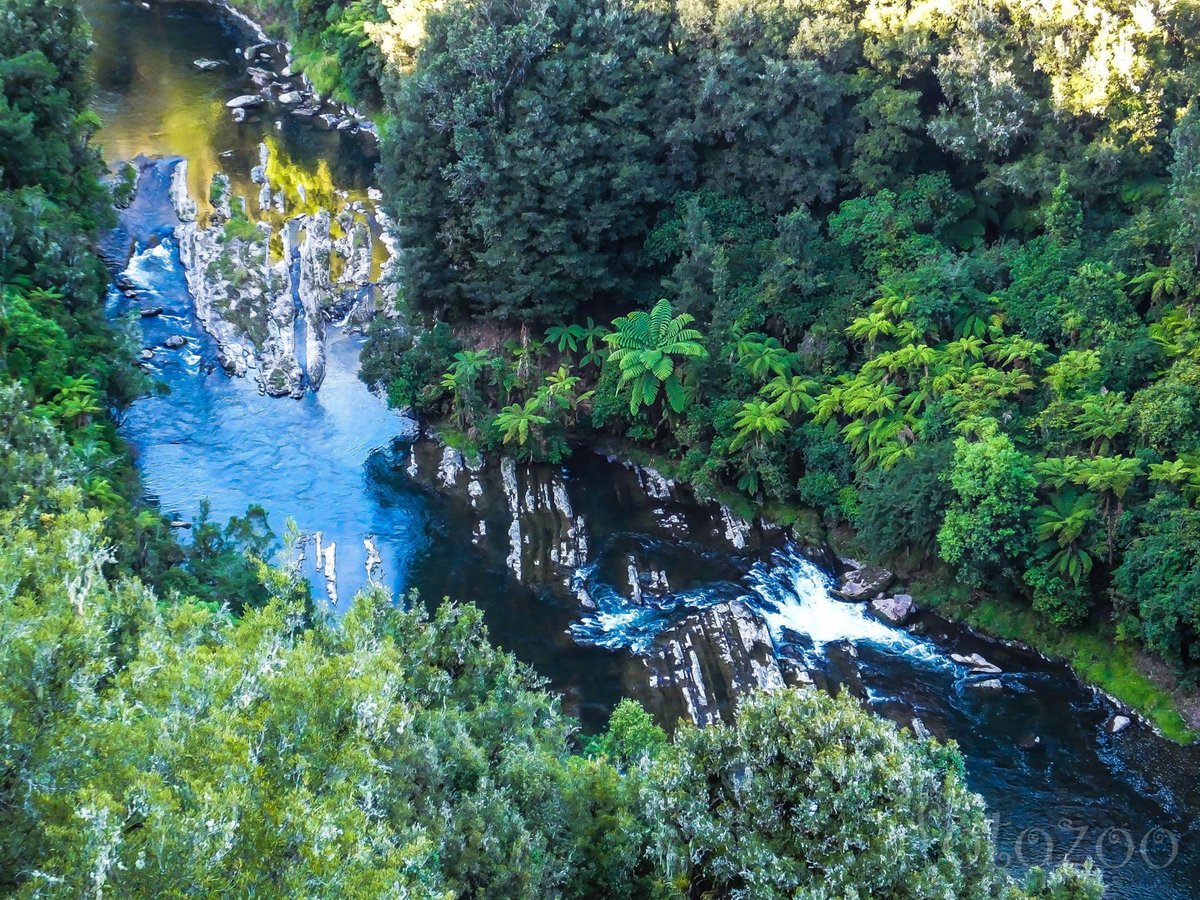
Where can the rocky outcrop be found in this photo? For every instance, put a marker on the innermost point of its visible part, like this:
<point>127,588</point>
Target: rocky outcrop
<point>860,583</point>
<point>256,283</point>
<point>693,668</point>
<point>374,563</point>
<point>976,663</point>
<point>896,610</point>
<point>547,541</point>
<point>315,291</point>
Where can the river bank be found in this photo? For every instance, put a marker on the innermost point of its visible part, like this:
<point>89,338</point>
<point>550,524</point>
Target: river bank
<point>1133,680</point>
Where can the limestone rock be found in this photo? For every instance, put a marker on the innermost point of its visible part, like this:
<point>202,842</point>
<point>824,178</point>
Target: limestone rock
<point>245,101</point>
<point>897,610</point>
<point>724,649</point>
<point>976,663</point>
<point>861,583</point>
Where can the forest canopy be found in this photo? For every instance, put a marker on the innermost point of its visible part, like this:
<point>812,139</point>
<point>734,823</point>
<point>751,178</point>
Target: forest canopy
<point>932,254</point>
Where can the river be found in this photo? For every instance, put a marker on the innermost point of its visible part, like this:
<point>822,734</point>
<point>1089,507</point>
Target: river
<point>616,564</point>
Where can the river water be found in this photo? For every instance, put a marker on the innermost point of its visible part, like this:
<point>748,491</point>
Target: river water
<point>1057,784</point>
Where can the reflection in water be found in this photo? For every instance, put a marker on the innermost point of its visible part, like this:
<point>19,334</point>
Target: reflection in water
<point>154,101</point>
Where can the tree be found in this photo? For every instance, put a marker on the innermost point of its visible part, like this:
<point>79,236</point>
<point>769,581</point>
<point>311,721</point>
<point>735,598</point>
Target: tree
<point>1064,522</point>
<point>758,421</point>
<point>805,795</point>
<point>518,421</point>
<point>647,348</point>
<point>987,530</point>
<point>1159,580</point>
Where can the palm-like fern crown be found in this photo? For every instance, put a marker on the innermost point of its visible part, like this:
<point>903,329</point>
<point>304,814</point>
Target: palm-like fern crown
<point>644,345</point>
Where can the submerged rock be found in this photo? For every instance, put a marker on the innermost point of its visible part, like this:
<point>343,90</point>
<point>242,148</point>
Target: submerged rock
<point>175,342</point>
<point>245,101</point>
<point>722,651</point>
<point>408,429</point>
<point>988,684</point>
<point>207,65</point>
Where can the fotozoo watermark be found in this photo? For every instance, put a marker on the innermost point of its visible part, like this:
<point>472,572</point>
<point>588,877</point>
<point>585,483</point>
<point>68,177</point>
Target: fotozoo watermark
<point>1109,847</point>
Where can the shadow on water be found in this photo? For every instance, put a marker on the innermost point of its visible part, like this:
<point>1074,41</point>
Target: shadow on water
<point>1056,782</point>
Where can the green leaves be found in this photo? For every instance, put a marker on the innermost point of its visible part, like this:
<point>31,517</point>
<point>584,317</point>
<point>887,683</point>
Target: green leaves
<point>645,348</point>
<point>758,421</point>
<point>517,421</point>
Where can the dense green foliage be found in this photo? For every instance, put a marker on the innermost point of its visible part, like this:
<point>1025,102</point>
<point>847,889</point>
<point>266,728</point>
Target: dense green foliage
<point>942,260</point>
<point>151,748</point>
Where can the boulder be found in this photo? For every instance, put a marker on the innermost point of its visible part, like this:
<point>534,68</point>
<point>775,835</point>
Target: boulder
<point>175,342</point>
<point>988,684</point>
<point>147,354</point>
<point>861,584</point>
<point>260,77</point>
<point>291,98</point>
<point>306,112</point>
<point>245,101</point>
<point>897,610</point>
<point>1119,724</point>
<point>977,664</point>
<point>207,65</point>
<point>239,116</point>
<point>149,312</point>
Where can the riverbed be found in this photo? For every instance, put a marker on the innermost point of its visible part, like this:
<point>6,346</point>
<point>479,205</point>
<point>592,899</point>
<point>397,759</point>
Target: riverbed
<point>607,562</point>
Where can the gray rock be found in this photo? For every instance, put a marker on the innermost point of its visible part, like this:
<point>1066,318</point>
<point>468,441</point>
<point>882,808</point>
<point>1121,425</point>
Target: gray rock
<point>245,101</point>
<point>306,112</point>
<point>919,728</point>
<point>329,120</point>
<point>897,610</point>
<point>260,77</point>
<point>722,651</point>
<point>175,342</point>
<point>239,116</point>
<point>988,684</point>
<point>977,664</point>
<point>207,65</point>
<point>149,312</point>
<point>1119,724</point>
<point>861,584</point>
<point>147,354</point>
<point>291,98</point>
